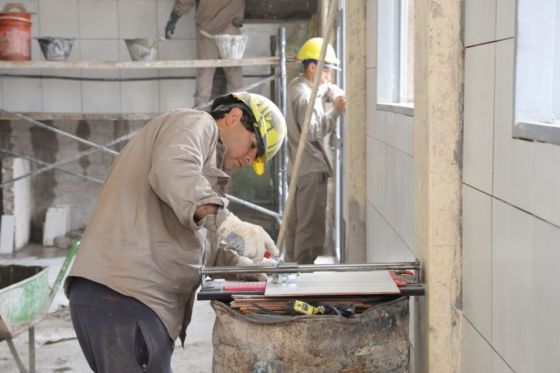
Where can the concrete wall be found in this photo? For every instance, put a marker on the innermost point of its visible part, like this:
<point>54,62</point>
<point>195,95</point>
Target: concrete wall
<point>511,211</point>
<point>17,198</point>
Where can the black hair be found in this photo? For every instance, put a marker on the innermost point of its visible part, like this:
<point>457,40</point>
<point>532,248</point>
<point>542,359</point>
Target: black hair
<point>223,105</point>
<point>308,62</point>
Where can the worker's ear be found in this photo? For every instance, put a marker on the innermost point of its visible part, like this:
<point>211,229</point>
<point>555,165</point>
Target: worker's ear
<point>234,116</point>
<point>312,67</point>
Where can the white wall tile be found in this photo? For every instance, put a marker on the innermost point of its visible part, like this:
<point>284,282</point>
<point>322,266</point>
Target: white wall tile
<point>505,19</point>
<point>480,21</point>
<point>399,132</point>
<point>546,190</point>
<point>101,97</point>
<point>384,244</point>
<point>176,94</point>
<point>371,34</point>
<point>513,286</point>
<point>376,173</point>
<point>98,19</point>
<point>380,128</point>
<point>479,116</point>
<point>62,96</point>
<point>477,353</point>
<point>371,97</point>
<point>22,94</point>
<point>499,365</point>
<point>140,97</point>
<point>186,26</point>
<point>477,260</point>
<point>183,49</point>
<point>100,50</point>
<point>137,19</point>
<point>513,159</point>
<point>59,18</point>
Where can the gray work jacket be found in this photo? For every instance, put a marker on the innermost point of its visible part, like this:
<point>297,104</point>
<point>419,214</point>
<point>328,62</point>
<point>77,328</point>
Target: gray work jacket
<point>315,158</point>
<point>142,240</point>
<point>213,16</point>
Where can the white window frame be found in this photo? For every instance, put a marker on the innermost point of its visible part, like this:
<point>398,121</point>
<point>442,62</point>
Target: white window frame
<point>537,80</point>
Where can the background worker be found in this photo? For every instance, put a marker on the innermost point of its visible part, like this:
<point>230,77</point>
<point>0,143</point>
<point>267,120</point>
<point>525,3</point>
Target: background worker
<point>214,17</point>
<point>305,234</point>
<point>133,283</point>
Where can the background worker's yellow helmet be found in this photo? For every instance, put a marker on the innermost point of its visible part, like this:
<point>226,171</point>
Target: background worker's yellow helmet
<point>270,126</point>
<point>311,50</point>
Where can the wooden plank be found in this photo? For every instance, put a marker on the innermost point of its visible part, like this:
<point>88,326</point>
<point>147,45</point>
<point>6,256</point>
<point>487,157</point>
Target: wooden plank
<point>171,64</point>
<point>335,283</point>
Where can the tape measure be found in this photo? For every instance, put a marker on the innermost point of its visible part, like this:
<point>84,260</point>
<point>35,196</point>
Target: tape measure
<point>299,307</point>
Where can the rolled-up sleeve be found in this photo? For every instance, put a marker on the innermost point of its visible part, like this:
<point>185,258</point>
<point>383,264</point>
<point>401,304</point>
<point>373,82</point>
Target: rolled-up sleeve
<point>321,123</point>
<point>181,149</point>
<point>182,7</point>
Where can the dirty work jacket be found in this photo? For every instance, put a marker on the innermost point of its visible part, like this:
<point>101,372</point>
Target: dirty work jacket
<point>322,123</point>
<point>142,240</point>
<point>213,16</point>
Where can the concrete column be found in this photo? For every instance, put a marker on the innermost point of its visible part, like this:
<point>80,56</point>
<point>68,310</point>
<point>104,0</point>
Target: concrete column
<point>438,93</point>
<point>354,179</point>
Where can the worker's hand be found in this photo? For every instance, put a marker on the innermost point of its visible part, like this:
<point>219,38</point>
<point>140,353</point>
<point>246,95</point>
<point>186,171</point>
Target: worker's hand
<point>244,261</point>
<point>247,239</point>
<point>170,26</point>
<point>340,103</point>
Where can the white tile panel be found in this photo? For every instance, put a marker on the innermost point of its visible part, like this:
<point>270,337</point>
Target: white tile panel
<point>546,190</point>
<point>480,21</point>
<point>376,173</point>
<point>137,19</point>
<point>101,97</point>
<point>477,259</point>
<point>380,128</point>
<point>384,244</point>
<point>498,365</point>
<point>23,95</point>
<point>176,94</point>
<point>505,19</point>
<point>371,34</point>
<point>100,50</point>
<point>513,286</point>
<point>58,18</point>
<point>479,116</point>
<point>98,19</point>
<point>371,97</point>
<point>399,132</point>
<point>477,353</point>
<point>140,97</point>
<point>183,49</point>
<point>63,96</point>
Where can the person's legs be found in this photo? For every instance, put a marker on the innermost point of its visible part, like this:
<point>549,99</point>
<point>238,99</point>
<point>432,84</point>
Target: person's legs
<point>291,225</point>
<point>206,49</point>
<point>118,333</point>
<point>310,228</point>
<point>234,75</point>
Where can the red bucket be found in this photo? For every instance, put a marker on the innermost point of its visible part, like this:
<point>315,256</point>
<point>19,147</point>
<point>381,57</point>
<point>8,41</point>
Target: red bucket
<point>15,33</point>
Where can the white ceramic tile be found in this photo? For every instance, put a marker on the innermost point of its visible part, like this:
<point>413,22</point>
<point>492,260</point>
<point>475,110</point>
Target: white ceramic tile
<point>98,19</point>
<point>183,49</point>
<point>546,251</point>
<point>478,132</point>
<point>513,159</point>
<point>137,19</point>
<point>380,128</point>
<point>186,26</point>
<point>505,19</point>
<point>372,235</point>
<point>477,259</point>
<point>480,21</point>
<point>399,132</point>
<point>371,34</point>
<point>59,18</point>
<point>63,96</point>
<point>513,286</point>
<point>258,45</point>
<point>22,95</point>
<point>176,94</point>
<point>546,190</point>
<point>371,75</point>
<point>101,97</point>
<point>384,244</point>
<point>100,50</point>
<point>376,173</point>
<point>498,365</point>
<point>477,353</point>
<point>140,97</point>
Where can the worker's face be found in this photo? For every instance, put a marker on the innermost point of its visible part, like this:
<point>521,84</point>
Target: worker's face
<point>326,74</point>
<point>240,144</point>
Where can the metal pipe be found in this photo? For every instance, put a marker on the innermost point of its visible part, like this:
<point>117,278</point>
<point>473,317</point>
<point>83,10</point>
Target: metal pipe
<point>303,137</point>
<point>283,154</point>
<point>308,268</point>
<point>60,132</point>
<point>251,205</point>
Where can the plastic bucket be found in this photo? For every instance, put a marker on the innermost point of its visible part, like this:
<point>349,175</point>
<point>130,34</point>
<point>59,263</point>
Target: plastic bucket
<point>15,33</point>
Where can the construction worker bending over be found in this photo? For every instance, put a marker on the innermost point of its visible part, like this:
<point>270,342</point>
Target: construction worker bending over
<point>133,283</point>
<point>214,17</point>
<point>305,233</point>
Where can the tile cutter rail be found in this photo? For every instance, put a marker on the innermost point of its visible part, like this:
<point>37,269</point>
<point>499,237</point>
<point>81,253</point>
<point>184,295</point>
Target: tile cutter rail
<point>213,289</point>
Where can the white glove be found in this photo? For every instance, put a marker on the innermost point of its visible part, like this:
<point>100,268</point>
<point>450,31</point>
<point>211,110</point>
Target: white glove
<point>247,239</point>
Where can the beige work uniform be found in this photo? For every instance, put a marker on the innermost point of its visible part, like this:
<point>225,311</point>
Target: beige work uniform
<point>142,240</point>
<point>305,233</point>
<point>214,17</point>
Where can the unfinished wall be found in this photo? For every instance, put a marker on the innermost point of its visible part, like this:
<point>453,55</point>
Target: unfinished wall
<point>17,198</point>
<point>511,211</point>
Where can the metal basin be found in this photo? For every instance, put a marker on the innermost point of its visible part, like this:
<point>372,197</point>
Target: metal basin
<point>56,49</point>
<point>142,49</point>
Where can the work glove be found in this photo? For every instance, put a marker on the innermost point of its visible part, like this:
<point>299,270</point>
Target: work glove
<point>247,239</point>
<point>170,26</point>
<point>244,261</point>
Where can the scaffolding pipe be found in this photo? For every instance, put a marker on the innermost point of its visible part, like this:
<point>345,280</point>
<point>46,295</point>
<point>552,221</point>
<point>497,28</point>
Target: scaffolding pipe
<point>282,82</point>
<point>255,207</point>
<point>309,110</point>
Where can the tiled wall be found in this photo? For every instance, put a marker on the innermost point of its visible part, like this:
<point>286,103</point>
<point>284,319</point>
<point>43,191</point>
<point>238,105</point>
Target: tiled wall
<point>100,27</point>
<point>511,212</point>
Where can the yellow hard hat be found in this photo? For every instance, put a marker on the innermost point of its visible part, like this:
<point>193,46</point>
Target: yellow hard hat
<point>311,50</point>
<point>269,124</point>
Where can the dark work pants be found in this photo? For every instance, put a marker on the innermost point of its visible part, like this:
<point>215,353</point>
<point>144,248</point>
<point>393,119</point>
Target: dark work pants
<point>118,333</point>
